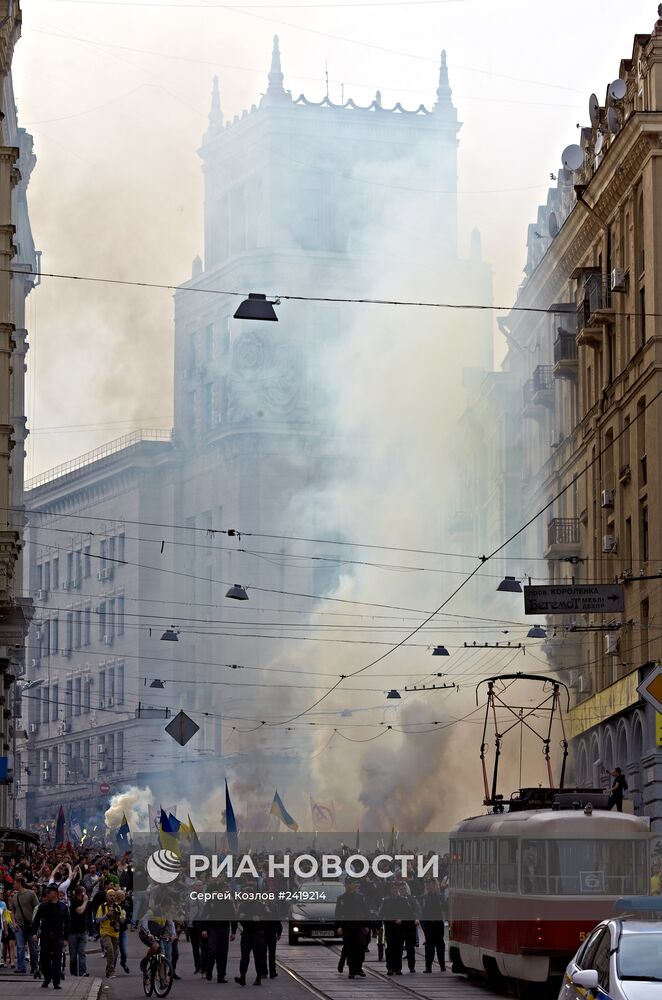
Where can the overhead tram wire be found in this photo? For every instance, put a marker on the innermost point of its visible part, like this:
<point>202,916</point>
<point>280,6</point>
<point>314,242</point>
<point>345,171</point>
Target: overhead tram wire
<point>407,303</point>
<point>589,465</point>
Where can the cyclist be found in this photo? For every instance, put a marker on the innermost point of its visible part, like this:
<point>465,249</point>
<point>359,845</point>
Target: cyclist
<point>153,929</point>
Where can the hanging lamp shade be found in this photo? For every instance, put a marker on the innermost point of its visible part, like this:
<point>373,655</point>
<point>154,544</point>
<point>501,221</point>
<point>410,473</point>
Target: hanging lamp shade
<point>536,632</point>
<point>440,651</point>
<point>510,585</point>
<point>257,307</point>
<point>393,694</point>
<point>170,635</point>
<point>237,592</point>
<point>156,683</point>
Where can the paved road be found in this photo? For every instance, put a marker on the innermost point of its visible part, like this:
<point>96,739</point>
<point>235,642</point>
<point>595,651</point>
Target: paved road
<point>306,970</point>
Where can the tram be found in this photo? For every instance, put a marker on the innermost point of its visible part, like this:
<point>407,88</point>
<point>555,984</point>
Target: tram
<point>528,884</point>
<point>532,877</point>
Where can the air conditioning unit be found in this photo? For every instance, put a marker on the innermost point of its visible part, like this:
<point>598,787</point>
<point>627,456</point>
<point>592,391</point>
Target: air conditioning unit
<point>102,750</point>
<point>63,728</point>
<point>68,584</point>
<point>611,642</point>
<point>34,727</point>
<point>584,683</point>
<point>607,500</point>
<point>37,635</point>
<point>42,595</point>
<point>608,543</point>
<point>619,279</point>
<point>103,574</point>
<point>46,772</point>
<point>65,652</point>
<point>102,767</point>
<point>34,662</point>
<point>108,640</point>
<point>71,775</point>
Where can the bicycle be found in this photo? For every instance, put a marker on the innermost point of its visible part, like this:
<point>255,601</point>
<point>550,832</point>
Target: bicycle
<point>158,975</point>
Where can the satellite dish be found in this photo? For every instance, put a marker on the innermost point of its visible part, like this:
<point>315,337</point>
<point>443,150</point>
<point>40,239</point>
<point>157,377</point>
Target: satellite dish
<point>572,157</point>
<point>599,143</point>
<point>553,225</point>
<point>618,90</point>
<point>613,121</point>
<point>594,110</point>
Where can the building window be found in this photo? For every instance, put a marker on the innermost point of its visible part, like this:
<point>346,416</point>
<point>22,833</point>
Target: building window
<point>40,576</point>
<point>645,612</point>
<point>78,628</point>
<point>69,644</point>
<point>45,705</point>
<point>69,699</point>
<point>101,610</point>
<point>628,543</point>
<point>55,635</point>
<point>119,751</point>
<point>111,685</point>
<point>644,532</point>
<point>87,625</point>
<point>87,560</point>
<point>103,549</point>
<point>120,684</point>
<point>111,548</point>
<point>70,570</point>
<point>78,696</point>
<point>56,573</point>
<point>46,578</point>
<point>121,546</point>
<point>78,578</point>
<point>642,317</point>
<point>120,614</point>
<point>88,695</point>
<point>102,689</point>
<point>111,617</point>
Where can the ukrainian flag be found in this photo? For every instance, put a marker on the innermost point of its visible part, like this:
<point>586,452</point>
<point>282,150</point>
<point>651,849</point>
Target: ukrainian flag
<point>123,834</point>
<point>281,813</point>
<point>168,836</point>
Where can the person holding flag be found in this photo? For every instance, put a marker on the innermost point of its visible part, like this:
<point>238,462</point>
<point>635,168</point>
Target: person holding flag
<point>123,834</point>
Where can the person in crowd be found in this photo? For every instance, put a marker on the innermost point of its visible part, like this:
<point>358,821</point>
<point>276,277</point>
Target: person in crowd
<point>251,916</point>
<point>78,916</point>
<point>273,930</point>
<point>109,916</point>
<point>432,915</point>
<point>152,930</point>
<point>24,902</point>
<point>216,927</point>
<point>51,927</point>
<point>350,918</point>
<point>618,789</point>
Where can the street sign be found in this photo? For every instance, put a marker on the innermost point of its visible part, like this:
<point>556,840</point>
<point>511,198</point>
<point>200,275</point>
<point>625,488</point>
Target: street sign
<point>650,688</point>
<point>581,598</point>
<point>104,788</point>
<point>182,728</point>
<point>658,729</point>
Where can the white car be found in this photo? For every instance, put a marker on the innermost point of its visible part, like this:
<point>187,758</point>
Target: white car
<point>620,960</point>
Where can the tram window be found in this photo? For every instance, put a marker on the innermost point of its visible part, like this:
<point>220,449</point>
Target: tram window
<point>466,864</point>
<point>475,864</point>
<point>592,867</point>
<point>492,883</point>
<point>484,864</point>
<point>508,865</point>
<point>534,867</point>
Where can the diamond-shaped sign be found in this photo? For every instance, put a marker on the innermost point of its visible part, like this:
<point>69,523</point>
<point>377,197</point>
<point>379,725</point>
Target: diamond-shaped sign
<point>182,729</point>
<point>651,688</point>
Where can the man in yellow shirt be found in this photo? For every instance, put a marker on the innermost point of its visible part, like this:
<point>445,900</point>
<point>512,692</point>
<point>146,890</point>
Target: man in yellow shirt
<point>110,914</point>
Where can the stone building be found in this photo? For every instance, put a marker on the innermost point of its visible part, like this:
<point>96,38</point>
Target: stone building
<point>297,194</point>
<point>585,338</point>
<point>20,264</point>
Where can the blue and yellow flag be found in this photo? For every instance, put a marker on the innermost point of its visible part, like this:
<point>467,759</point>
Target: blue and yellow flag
<point>279,810</point>
<point>123,834</point>
<point>231,823</point>
<point>167,836</point>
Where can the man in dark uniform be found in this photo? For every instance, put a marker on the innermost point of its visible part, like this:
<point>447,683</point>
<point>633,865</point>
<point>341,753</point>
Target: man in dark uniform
<point>217,926</point>
<point>619,786</point>
<point>273,929</point>
<point>52,924</point>
<point>354,926</point>
<point>432,913</point>
<point>252,917</point>
<point>393,908</point>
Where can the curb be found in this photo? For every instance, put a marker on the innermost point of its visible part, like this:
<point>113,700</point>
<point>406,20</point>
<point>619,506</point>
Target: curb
<point>95,989</point>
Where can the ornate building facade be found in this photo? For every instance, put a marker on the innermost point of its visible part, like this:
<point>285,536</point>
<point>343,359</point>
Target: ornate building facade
<point>585,339</point>
<point>297,194</point>
<point>20,265</point>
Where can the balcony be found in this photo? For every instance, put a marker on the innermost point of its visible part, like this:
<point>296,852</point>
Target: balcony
<point>562,538</point>
<point>538,392</point>
<point>565,345</point>
<point>595,310</point>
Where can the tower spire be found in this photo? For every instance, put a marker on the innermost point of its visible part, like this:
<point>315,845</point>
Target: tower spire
<point>215,117</point>
<point>444,91</point>
<point>275,90</point>
<point>276,74</point>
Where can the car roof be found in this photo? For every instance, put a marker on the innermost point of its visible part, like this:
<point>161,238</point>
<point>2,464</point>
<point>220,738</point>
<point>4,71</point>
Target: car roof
<point>640,926</point>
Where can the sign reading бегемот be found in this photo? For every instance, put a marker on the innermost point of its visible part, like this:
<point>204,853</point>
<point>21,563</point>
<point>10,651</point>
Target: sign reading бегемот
<point>581,598</point>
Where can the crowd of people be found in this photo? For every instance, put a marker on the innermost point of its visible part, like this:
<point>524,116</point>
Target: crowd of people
<point>55,901</point>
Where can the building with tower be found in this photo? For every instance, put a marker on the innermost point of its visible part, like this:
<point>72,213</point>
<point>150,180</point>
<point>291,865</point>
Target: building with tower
<point>300,198</point>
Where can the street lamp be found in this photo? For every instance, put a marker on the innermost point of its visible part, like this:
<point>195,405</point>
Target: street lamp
<point>237,593</point>
<point>536,632</point>
<point>258,307</point>
<point>392,694</point>
<point>440,651</point>
<point>170,635</point>
<point>156,683</point>
<point>510,585</point>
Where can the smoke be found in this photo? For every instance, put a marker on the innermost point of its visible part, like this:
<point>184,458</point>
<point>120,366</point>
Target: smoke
<point>134,804</point>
